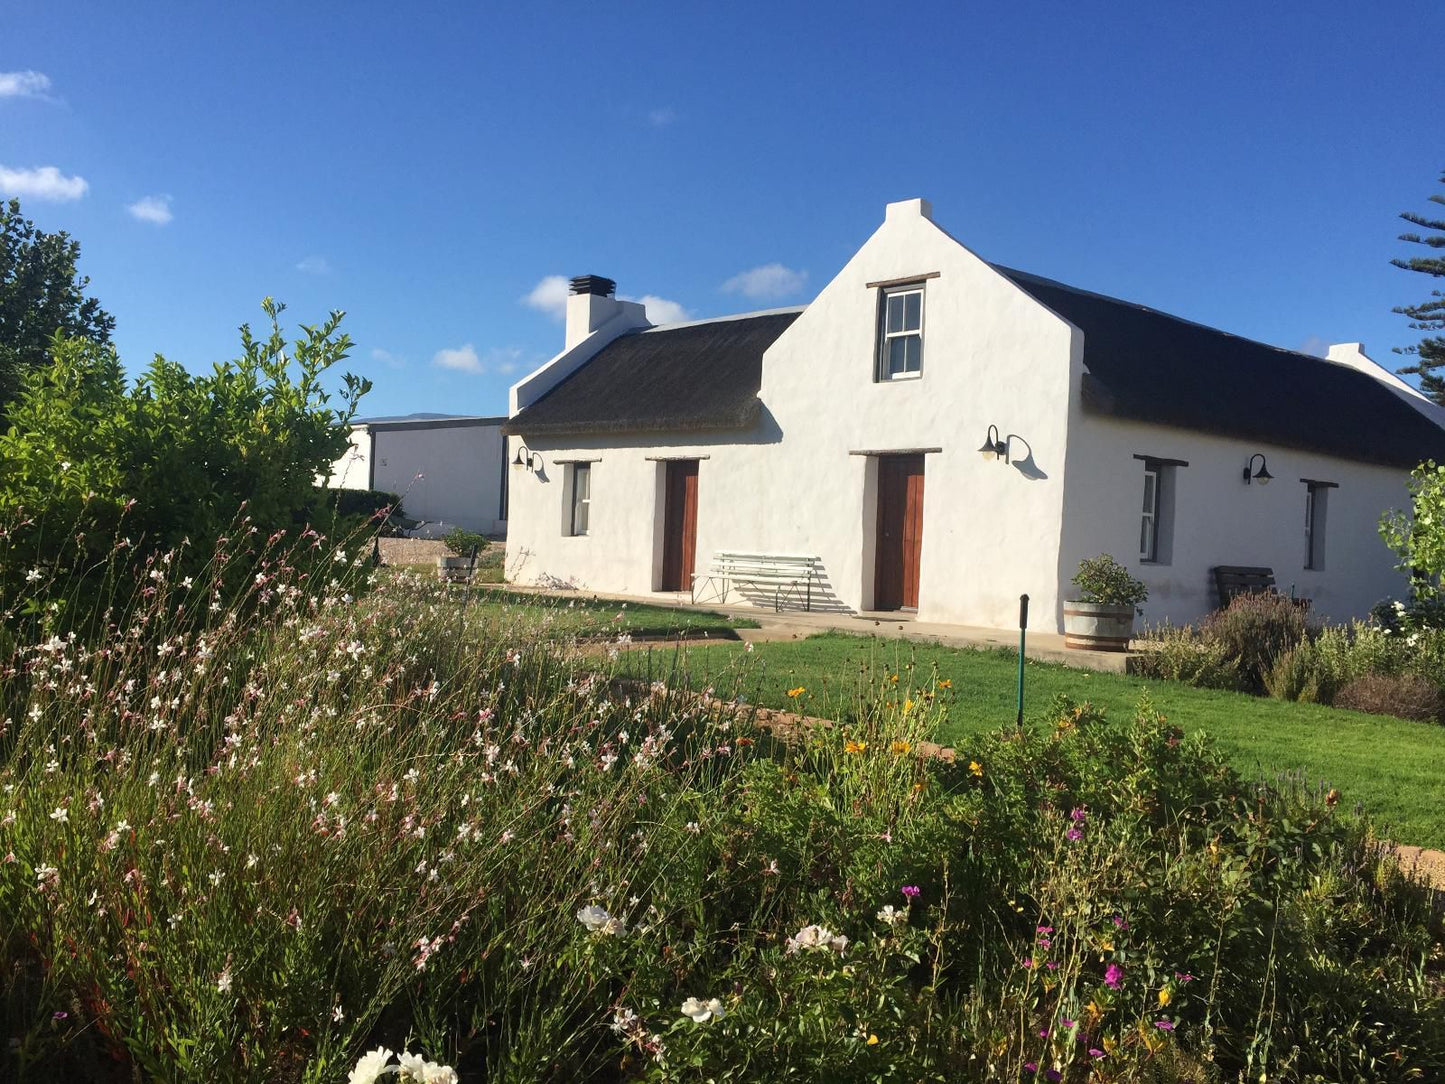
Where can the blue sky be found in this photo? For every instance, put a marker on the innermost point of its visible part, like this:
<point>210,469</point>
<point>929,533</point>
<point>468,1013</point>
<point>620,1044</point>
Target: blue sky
<point>427,167</point>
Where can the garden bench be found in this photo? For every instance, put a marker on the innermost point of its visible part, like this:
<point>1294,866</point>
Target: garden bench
<point>780,572</point>
<point>1231,581</point>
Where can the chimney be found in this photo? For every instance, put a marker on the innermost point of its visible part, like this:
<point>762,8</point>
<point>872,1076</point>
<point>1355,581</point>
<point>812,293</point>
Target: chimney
<point>591,303</point>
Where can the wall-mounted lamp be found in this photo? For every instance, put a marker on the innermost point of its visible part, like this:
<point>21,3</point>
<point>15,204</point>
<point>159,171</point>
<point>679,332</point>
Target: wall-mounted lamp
<point>527,458</point>
<point>993,447</point>
<point>1262,476</point>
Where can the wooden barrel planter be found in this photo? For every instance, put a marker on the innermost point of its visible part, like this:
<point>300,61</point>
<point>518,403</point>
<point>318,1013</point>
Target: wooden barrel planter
<point>1095,626</point>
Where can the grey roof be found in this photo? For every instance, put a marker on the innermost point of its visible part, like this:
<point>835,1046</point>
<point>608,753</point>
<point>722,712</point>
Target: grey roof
<point>1148,366</point>
<point>703,375</point>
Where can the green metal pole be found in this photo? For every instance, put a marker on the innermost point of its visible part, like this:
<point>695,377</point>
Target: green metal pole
<point>1023,632</point>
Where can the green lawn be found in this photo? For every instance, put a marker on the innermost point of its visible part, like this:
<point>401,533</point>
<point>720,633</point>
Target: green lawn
<point>580,615</point>
<point>1395,768</point>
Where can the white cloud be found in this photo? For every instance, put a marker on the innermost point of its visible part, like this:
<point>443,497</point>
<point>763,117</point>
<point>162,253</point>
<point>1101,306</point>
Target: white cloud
<point>315,265</point>
<point>662,311</point>
<point>549,296</point>
<point>153,209</point>
<point>26,84</point>
<point>662,116</point>
<point>387,358</point>
<point>47,182</point>
<point>768,282</point>
<point>465,359</point>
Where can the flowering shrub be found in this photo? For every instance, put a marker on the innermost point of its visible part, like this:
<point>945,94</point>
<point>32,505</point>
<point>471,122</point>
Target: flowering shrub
<point>255,843</point>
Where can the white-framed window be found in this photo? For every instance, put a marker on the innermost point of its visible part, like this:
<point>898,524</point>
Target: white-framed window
<point>581,497</point>
<point>1317,496</point>
<point>1149,521</point>
<point>900,333</point>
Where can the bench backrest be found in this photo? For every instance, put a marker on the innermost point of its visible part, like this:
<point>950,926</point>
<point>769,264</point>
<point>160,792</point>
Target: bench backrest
<point>783,562</point>
<point>1231,581</point>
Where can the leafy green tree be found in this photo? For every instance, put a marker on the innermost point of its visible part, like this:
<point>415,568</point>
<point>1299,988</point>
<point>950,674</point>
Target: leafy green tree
<point>96,474</point>
<point>40,293</point>
<point>1427,316</point>
<point>1419,537</point>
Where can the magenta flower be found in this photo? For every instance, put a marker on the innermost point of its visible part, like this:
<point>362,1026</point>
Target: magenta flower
<point>1119,922</point>
<point>1078,815</point>
<point>1065,1022</point>
<point>1043,929</point>
<point>1052,965</point>
<point>912,891</point>
<point>1074,835</point>
<point>1031,1067</point>
<point>1183,976</point>
<point>1164,1025</point>
<point>1112,974</point>
<point>1095,1052</point>
<point>1028,963</point>
<point>1043,1033</point>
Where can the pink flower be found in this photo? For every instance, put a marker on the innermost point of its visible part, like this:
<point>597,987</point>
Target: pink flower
<point>1112,974</point>
<point>1095,1052</point>
<point>1031,1067</point>
<point>1078,815</point>
<point>1074,835</point>
<point>1164,1025</point>
<point>912,891</point>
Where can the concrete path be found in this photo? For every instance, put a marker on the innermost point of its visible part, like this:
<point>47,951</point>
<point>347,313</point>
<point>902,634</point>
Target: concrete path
<point>797,624</point>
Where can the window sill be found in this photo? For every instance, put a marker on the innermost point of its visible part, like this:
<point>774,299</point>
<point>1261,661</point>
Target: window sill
<point>901,378</point>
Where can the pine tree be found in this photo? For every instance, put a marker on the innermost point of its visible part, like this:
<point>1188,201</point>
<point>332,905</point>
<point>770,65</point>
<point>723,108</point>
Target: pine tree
<point>1427,316</point>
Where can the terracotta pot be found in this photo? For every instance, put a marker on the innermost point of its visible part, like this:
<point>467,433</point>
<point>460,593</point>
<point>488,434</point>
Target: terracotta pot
<point>1098,626</point>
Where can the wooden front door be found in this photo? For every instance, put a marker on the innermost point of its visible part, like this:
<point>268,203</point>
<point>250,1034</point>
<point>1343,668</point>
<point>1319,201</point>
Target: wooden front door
<point>900,532</point>
<point>679,525</point>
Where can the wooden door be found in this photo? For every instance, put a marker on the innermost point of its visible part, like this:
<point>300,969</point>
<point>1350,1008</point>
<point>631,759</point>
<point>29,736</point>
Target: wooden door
<point>679,525</point>
<point>900,532</point>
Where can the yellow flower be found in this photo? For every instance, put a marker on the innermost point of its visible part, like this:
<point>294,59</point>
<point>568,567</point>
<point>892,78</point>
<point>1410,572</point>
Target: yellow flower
<point>893,678</point>
<point>946,683</point>
<point>1095,1013</point>
<point>1110,1045</point>
<point>1164,997</point>
<point>851,746</point>
<point>795,693</point>
<point>976,768</point>
<point>901,747</point>
<point>907,706</point>
<point>872,1040</point>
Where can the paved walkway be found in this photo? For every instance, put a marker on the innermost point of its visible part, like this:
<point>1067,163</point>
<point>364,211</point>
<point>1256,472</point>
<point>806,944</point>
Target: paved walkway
<point>796,624</point>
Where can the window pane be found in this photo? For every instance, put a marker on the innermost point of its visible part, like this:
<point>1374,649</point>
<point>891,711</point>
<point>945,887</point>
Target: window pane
<point>913,353</point>
<point>579,519</point>
<point>895,312</point>
<point>1146,538</point>
<point>584,481</point>
<point>912,312</point>
<point>897,357</point>
<point>1150,480</point>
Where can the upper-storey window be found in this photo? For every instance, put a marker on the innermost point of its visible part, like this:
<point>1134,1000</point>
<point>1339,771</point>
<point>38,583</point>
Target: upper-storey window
<point>900,332</point>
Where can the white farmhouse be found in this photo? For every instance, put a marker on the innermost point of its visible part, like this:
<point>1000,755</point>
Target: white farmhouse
<point>850,431</point>
<point>449,469</point>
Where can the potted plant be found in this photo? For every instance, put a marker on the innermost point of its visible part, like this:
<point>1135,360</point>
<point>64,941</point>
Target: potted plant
<point>1102,617</point>
<point>464,546</point>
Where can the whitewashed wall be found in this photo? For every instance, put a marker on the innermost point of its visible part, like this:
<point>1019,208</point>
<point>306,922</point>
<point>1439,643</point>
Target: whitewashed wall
<point>448,475</point>
<point>353,469</point>
<point>1218,520</point>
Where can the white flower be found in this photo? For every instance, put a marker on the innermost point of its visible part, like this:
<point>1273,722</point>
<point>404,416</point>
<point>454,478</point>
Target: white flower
<point>597,920</point>
<point>624,1020</point>
<point>337,1014</point>
<point>701,1012</point>
<point>417,1068</point>
<point>223,983</point>
<point>370,1067</point>
<point>816,938</point>
<point>61,815</point>
<point>33,575</point>
<point>893,916</point>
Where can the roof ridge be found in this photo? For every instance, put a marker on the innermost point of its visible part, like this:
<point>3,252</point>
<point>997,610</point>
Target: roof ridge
<point>786,311</point>
<point>1013,272</point>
